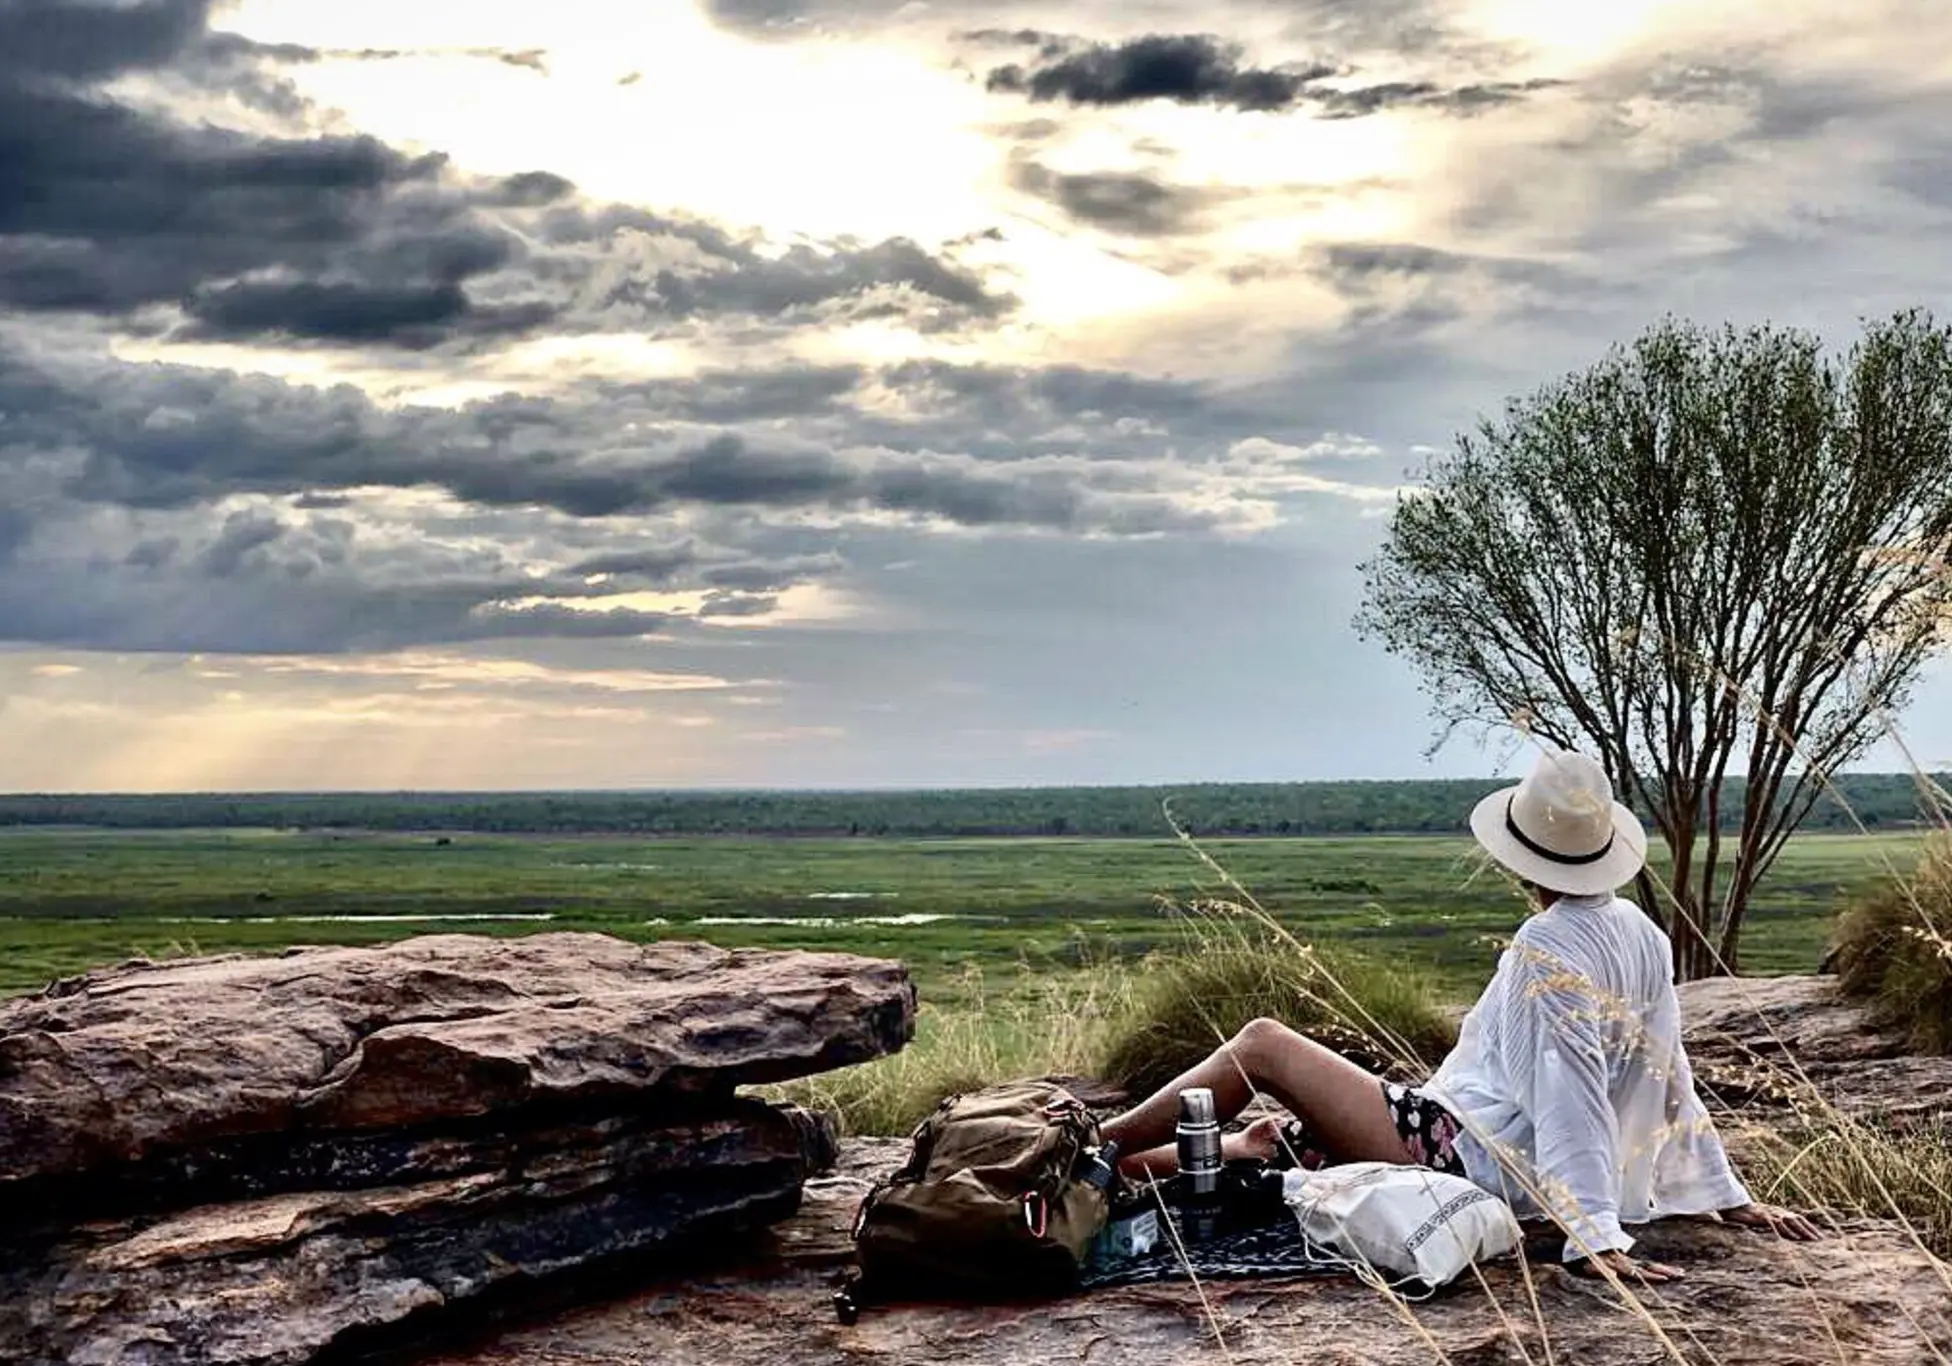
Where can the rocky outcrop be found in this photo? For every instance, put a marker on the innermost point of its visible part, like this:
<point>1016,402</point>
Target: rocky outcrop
<point>1863,1296</point>
<point>1768,1041</point>
<point>154,1063</point>
<point>261,1160</point>
<point>355,1195</point>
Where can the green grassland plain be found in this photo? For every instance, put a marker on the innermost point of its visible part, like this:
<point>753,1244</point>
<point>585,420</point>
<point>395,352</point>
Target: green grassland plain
<point>1007,907</point>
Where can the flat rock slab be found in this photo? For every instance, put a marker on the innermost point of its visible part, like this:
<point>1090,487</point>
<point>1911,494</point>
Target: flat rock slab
<point>1758,1039</point>
<point>144,1061</point>
<point>1863,1297</point>
<point>279,1280</point>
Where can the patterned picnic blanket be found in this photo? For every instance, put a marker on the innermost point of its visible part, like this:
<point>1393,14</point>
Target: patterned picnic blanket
<point>1272,1250</point>
<point>1277,1249</point>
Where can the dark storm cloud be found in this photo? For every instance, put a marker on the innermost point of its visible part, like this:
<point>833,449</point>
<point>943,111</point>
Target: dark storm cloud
<point>530,190</point>
<point>805,279</point>
<point>799,391</point>
<point>161,437</point>
<point>276,613</point>
<point>243,533</point>
<point>753,576</point>
<point>112,211</point>
<point>412,316</point>
<point>1001,411</point>
<point>1356,266</point>
<point>62,39</point>
<point>1125,202</point>
<point>993,412</point>
<point>1188,69</point>
<point>723,571</point>
<point>171,508</point>
<point>737,605</point>
<point>1461,101</point>
<point>1202,69</point>
<point>652,566</point>
<point>104,210</point>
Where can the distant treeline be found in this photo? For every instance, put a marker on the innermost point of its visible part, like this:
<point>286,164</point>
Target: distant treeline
<point>1880,801</point>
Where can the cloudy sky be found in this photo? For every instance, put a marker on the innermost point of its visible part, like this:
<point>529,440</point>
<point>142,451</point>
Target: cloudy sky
<point>836,392</point>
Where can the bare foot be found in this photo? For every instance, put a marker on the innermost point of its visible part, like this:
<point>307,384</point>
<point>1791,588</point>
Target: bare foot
<point>1260,1139</point>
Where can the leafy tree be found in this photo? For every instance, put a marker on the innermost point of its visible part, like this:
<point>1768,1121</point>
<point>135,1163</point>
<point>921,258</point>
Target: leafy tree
<point>1712,553</point>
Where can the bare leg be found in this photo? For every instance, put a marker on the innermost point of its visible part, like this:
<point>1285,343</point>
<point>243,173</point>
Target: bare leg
<point>1260,1139</point>
<point>1343,1104</point>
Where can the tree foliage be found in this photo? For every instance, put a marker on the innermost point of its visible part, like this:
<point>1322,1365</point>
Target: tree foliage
<point>1712,553</point>
<point>1416,807</point>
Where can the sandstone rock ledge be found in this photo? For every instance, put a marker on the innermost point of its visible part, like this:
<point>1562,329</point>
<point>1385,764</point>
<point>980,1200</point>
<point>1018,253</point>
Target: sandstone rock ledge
<point>182,1064</point>
<point>260,1162</point>
<point>1862,1298</point>
<point>1758,1041</point>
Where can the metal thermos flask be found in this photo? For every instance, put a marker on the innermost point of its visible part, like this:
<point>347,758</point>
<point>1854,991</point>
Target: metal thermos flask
<point>1198,1139</point>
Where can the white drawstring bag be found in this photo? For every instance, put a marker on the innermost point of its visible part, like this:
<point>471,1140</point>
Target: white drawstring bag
<point>1411,1222</point>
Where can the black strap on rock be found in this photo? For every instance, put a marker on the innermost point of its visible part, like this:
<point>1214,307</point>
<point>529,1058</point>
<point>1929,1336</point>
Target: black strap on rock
<point>1551,854</point>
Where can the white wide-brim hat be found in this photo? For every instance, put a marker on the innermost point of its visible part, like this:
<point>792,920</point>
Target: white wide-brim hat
<point>1560,828</point>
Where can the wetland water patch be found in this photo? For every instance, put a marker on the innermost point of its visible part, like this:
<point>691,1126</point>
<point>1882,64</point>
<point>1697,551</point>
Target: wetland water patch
<point>833,922</point>
<point>534,916</point>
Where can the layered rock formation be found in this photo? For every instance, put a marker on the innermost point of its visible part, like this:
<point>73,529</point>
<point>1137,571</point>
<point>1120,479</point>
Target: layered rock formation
<point>255,1160</point>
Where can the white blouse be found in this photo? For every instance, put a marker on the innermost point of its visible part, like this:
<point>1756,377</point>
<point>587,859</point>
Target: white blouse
<point>1572,1085</point>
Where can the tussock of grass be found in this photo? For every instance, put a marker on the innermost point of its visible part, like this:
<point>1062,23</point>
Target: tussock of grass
<point>1180,1005</point>
<point>1894,952</point>
<point>1853,1169</point>
<point>1047,1027</point>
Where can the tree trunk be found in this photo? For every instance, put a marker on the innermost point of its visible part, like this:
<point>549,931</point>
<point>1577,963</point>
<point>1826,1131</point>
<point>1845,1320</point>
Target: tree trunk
<point>1694,949</point>
<point>1649,897</point>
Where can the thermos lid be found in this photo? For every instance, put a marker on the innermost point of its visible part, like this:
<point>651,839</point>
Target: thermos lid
<point>1196,1105</point>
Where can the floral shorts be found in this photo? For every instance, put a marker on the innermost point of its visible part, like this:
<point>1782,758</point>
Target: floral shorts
<point>1429,1133</point>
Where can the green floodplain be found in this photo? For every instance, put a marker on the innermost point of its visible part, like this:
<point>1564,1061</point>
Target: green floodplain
<point>1007,907</point>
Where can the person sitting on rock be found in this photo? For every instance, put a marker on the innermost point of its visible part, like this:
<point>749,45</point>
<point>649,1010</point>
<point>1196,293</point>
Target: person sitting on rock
<point>1568,1093</point>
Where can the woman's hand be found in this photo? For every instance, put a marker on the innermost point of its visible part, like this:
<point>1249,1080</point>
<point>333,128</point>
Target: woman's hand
<point>1626,1268</point>
<point>1782,1222</point>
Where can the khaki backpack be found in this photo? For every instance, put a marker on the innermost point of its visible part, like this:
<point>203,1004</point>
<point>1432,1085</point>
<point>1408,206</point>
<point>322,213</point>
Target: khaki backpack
<point>993,1202</point>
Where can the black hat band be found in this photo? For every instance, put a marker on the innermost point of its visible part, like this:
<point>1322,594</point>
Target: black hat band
<point>1572,860</point>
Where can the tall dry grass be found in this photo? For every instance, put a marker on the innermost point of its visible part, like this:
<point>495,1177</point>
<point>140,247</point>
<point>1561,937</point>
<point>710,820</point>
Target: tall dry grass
<point>1232,968</point>
<point>1851,1168</point>
<point>1046,1026</point>
<point>1893,951</point>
